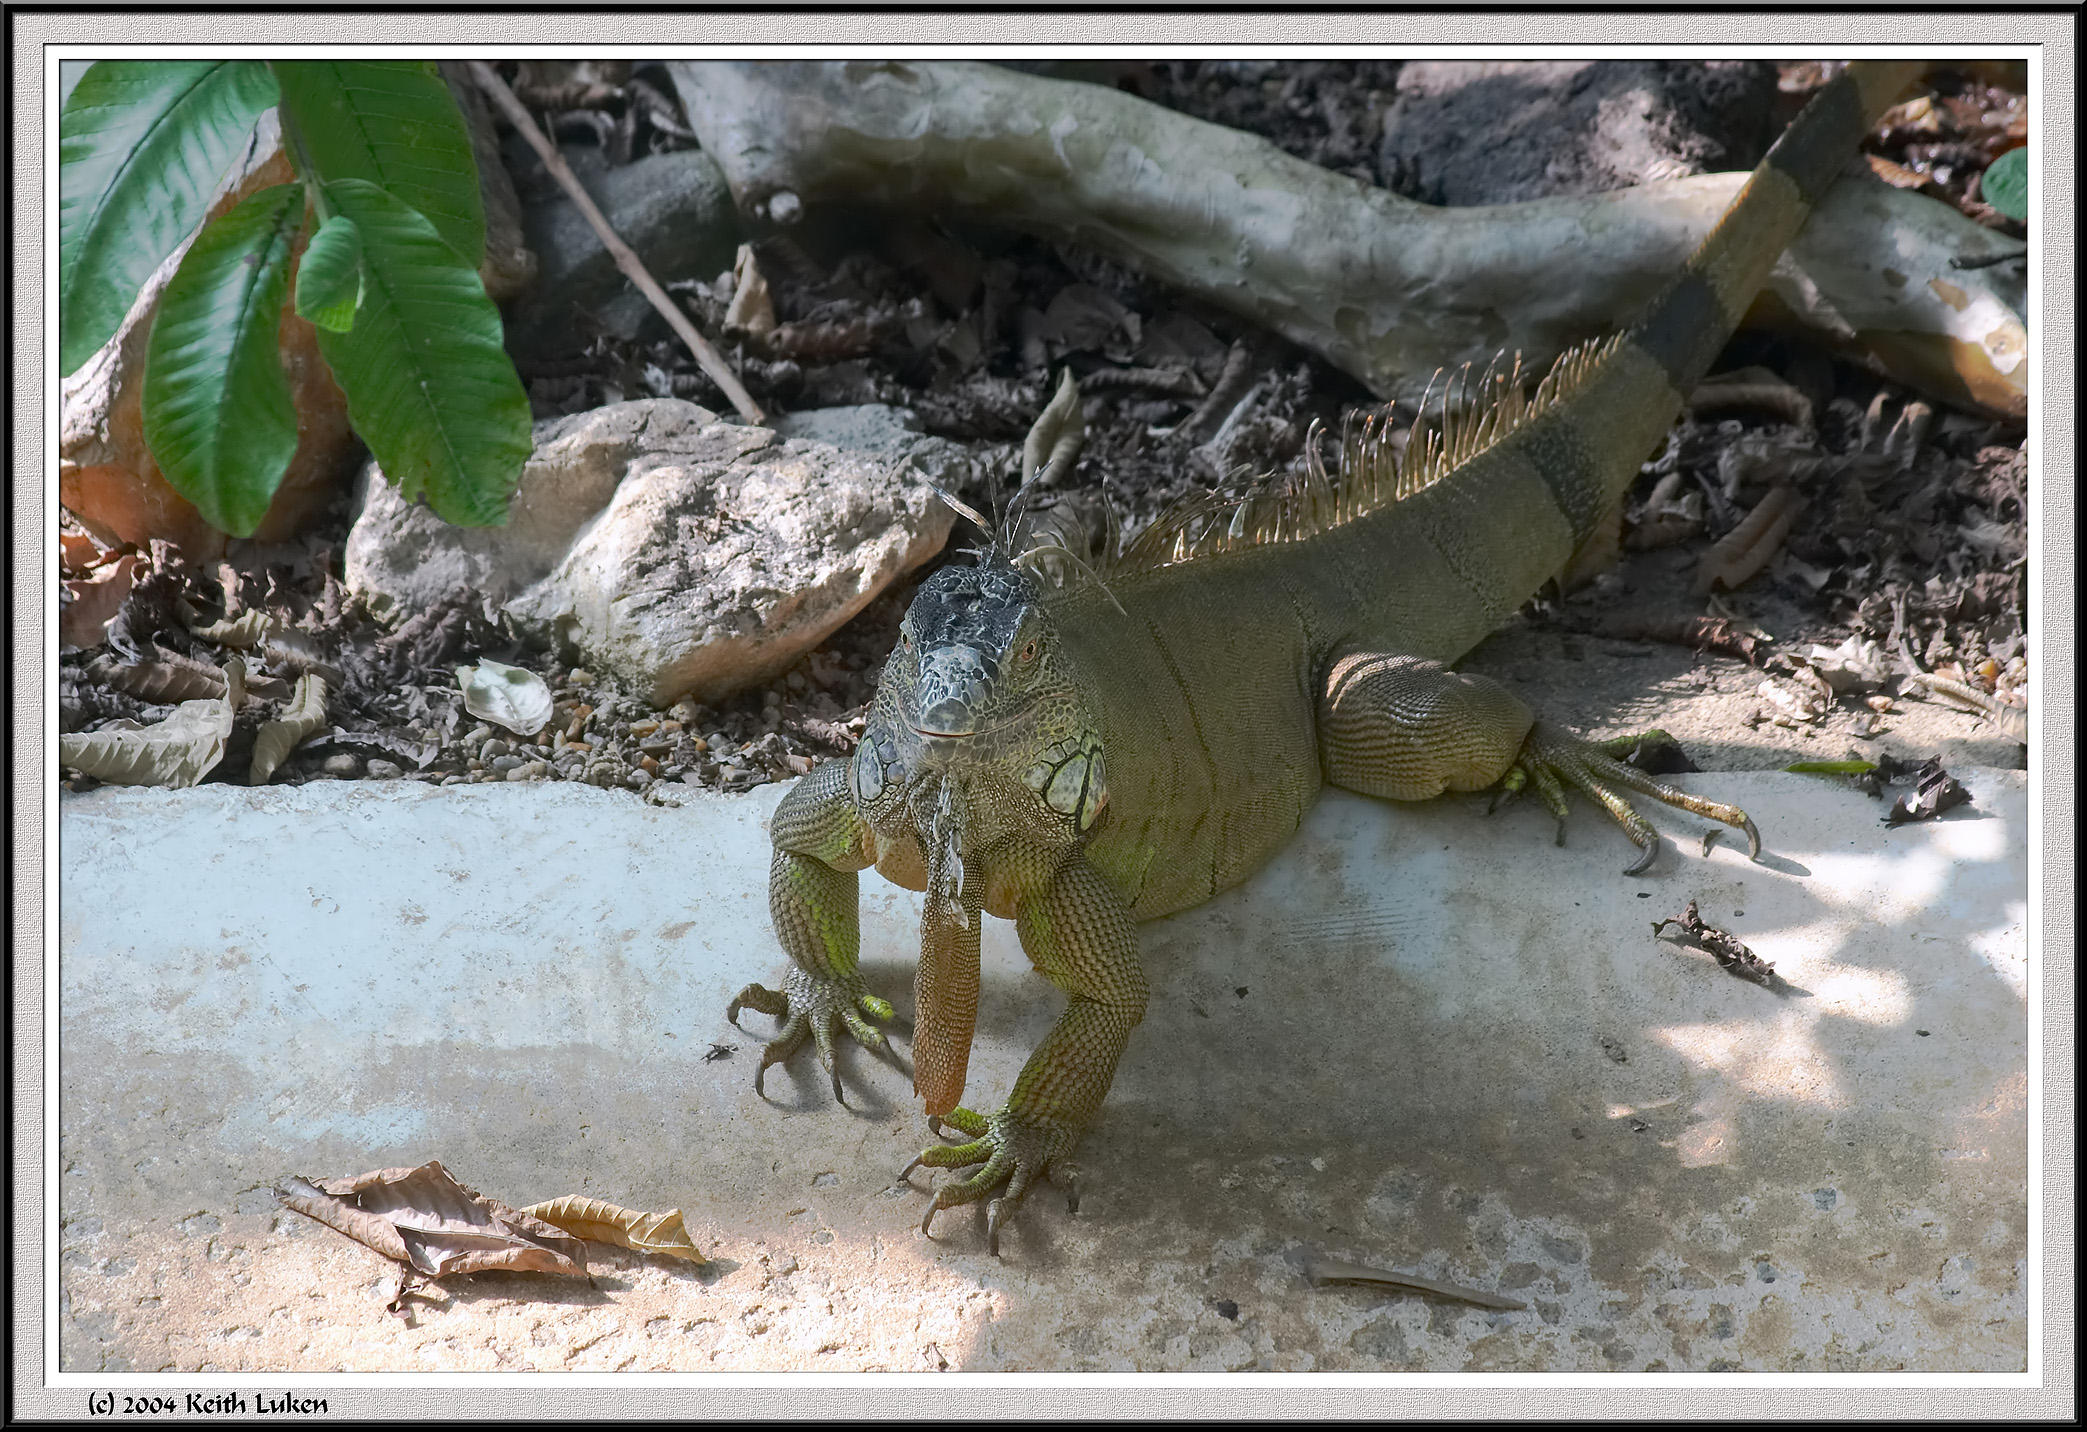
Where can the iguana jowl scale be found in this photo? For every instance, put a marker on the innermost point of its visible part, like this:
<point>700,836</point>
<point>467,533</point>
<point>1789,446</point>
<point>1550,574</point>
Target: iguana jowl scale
<point>1079,757</point>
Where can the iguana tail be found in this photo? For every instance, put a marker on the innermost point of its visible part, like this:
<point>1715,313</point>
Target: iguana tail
<point>1659,359</point>
<point>1427,565</point>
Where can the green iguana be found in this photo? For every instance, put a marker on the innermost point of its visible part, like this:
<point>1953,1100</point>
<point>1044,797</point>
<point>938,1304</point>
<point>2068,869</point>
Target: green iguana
<point>1085,753</point>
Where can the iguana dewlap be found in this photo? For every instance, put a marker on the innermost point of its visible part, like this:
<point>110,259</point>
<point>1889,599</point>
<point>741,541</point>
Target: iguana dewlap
<point>1078,757</point>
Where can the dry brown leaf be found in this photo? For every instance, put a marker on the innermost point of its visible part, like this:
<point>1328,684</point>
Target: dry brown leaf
<point>91,602</point>
<point>276,739</point>
<point>751,310</point>
<point>170,678</point>
<point>242,632</point>
<point>427,1220</point>
<point>1747,548</point>
<point>176,752</point>
<point>660,1233</point>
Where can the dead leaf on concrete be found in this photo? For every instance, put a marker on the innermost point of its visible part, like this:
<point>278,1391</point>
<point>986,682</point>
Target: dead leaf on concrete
<point>1323,1270</point>
<point>427,1220</point>
<point>660,1233</point>
<point>176,752</point>
<point>276,739</point>
<point>1934,791</point>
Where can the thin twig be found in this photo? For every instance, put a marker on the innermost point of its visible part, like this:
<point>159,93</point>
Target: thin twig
<point>633,267</point>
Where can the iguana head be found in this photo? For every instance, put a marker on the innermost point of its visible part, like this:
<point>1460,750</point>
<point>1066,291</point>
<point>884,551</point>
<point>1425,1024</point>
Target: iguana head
<point>979,682</point>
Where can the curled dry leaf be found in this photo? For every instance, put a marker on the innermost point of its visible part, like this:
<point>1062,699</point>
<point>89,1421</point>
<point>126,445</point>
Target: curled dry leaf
<point>172,677</point>
<point>506,695</point>
<point>1747,548</point>
<point>1323,1270</point>
<point>427,1220</point>
<point>660,1233</point>
<point>90,603</point>
<point>1934,791</point>
<point>241,631</point>
<point>176,752</point>
<point>751,310</point>
<point>1732,956</point>
<point>1055,439</point>
<point>276,739</point>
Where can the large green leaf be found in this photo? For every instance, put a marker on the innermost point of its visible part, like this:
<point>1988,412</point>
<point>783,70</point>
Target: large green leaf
<point>394,123</point>
<point>329,278</point>
<point>218,415</point>
<point>429,385</point>
<point>141,146</point>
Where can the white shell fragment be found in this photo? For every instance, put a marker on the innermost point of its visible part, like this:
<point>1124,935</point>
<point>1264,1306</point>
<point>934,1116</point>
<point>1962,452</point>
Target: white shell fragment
<point>506,695</point>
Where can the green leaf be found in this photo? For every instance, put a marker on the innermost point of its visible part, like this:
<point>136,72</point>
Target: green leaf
<point>329,277</point>
<point>2005,184</point>
<point>429,384</point>
<point>218,415</point>
<point>141,146</point>
<point>394,123</point>
<point>1832,768</point>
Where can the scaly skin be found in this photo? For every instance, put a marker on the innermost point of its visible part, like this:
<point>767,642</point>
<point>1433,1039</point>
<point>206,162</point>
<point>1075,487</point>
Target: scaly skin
<point>1082,758</point>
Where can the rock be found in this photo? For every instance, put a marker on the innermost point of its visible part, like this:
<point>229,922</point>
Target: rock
<point>401,554</point>
<point>382,770</point>
<point>672,209</point>
<point>342,766</point>
<point>682,554</point>
<point>1463,132</point>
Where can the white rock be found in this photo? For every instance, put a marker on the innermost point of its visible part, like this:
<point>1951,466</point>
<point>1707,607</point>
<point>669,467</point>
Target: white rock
<point>683,554</point>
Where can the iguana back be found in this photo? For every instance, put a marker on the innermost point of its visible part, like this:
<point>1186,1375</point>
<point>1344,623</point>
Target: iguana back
<point>1206,653</point>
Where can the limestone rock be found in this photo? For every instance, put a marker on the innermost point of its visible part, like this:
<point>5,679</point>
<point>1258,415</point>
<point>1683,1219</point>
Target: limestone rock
<point>681,552</point>
<point>402,557</point>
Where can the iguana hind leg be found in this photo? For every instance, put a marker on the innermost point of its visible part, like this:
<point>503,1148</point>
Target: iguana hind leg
<point>1407,729</point>
<point>820,844</point>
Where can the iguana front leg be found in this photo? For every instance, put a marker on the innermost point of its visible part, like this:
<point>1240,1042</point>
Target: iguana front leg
<point>1407,729</point>
<point>1078,932</point>
<point>821,841</point>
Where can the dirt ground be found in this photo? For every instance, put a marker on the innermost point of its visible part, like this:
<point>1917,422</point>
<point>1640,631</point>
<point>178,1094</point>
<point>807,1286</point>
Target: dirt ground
<point>1913,535</point>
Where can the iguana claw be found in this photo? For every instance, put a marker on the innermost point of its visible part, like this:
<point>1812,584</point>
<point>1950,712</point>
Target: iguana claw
<point>1012,1151</point>
<point>808,1005</point>
<point>1549,757</point>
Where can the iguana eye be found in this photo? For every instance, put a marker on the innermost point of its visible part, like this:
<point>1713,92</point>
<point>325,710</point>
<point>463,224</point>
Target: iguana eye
<point>1029,652</point>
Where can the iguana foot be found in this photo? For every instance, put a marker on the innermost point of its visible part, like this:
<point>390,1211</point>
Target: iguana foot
<point>1013,1151</point>
<point>810,1005</point>
<point>1549,757</point>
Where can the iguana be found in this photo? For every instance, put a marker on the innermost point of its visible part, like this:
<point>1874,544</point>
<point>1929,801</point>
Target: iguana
<point>1082,751</point>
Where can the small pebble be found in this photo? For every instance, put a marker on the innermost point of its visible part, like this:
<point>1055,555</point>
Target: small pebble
<point>494,749</point>
<point>504,765</point>
<point>518,773</point>
<point>477,734</point>
<point>382,770</point>
<point>637,780</point>
<point>343,765</point>
<point>540,750</point>
<point>455,780</point>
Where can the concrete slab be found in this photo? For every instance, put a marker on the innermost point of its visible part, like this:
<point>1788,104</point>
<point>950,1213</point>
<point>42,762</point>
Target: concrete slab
<point>1422,1039</point>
